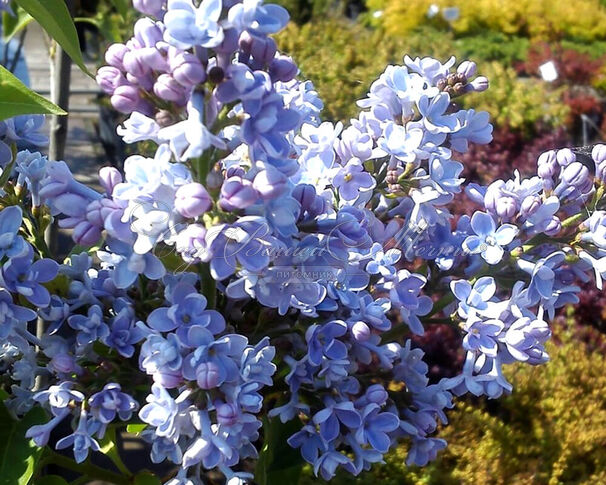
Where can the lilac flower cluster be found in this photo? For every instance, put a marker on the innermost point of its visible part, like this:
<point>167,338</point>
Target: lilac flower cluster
<point>266,264</point>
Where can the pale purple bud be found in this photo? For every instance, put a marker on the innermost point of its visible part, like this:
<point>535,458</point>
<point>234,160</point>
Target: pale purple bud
<point>150,7</point>
<point>114,55</point>
<point>310,202</point>
<point>191,243</point>
<point>109,177</point>
<point>468,68</point>
<point>187,69</point>
<point>109,78</point>
<point>376,394</point>
<point>360,331</point>
<point>154,59</point>
<point>599,157</point>
<point>283,68</point>
<point>144,82</point>
<point>262,49</point>
<point>126,99</point>
<point>85,234</point>
<point>63,363</point>
<point>565,157</point>
<point>479,84</point>
<point>234,171</point>
<point>554,226</point>
<point>270,183</point>
<point>168,89</point>
<point>208,375</point>
<point>530,205</point>
<point>599,153</point>
<point>192,200</point>
<point>506,208</point>
<point>133,64</point>
<point>148,32</point>
<point>237,193</point>
<point>227,414</point>
<point>575,174</point>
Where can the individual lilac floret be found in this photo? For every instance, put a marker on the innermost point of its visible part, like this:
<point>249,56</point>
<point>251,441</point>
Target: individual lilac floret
<point>161,358</point>
<point>24,276</point>
<point>488,241</point>
<point>80,440</point>
<point>405,294</point>
<point>111,401</point>
<point>32,169</point>
<point>383,262</point>
<point>90,327</point>
<point>11,244</point>
<point>154,8</point>
<point>257,18</point>
<point>328,419</point>
<point>160,412</point>
<point>11,314</point>
<point>322,341</point>
<point>375,428</point>
<point>482,335</point>
<point>188,309</point>
<point>188,26</point>
<point>476,299</point>
<point>351,179</point>
<point>124,334</point>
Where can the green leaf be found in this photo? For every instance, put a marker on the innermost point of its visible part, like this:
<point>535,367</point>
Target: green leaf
<point>51,480</point>
<point>18,455</point>
<point>55,19</point>
<point>278,462</point>
<point>121,7</point>
<point>108,448</point>
<point>136,428</point>
<point>18,99</point>
<point>146,478</point>
<point>11,26</point>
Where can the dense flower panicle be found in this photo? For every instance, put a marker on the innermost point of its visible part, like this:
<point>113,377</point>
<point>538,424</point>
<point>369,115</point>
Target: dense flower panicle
<point>264,263</point>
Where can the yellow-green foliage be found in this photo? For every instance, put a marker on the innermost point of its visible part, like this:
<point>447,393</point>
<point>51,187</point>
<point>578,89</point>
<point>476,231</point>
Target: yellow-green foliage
<point>343,58</point>
<point>518,102</point>
<point>551,430</point>
<point>579,19</point>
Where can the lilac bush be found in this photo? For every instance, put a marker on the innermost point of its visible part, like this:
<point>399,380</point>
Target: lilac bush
<point>266,269</point>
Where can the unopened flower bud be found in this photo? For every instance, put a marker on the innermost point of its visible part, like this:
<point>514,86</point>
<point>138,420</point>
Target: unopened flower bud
<point>109,177</point>
<point>208,375</point>
<point>263,49</point>
<point>155,8</point>
<point>187,69</point>
<point>148,32</point>
<point>554,227</point>
<point>599,158</point>
<point>168,89</point>
<point>192,200</point>
<point>134,65</point>
<point>214,179</point>
<point>283,68</point>
<point>467,68</point>
<point>85,234</point>
<point>479,84</point>
<point>126,99</point>
<point>109,78</point>
<point>442,83</point>
<point>376,394</point>
<point>227,414</point>
<point>530,205</point>
<point>360,331</point>
<point>115,55</point>
<point>237,193</point>
<point>575,174</point>
<point>565,157</point>
<point>270,183</point>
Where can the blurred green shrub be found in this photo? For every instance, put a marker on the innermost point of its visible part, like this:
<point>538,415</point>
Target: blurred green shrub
<point>493,46</point>
<point>544,19</point>
<point>551,430</point>
<point>520,103</point>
